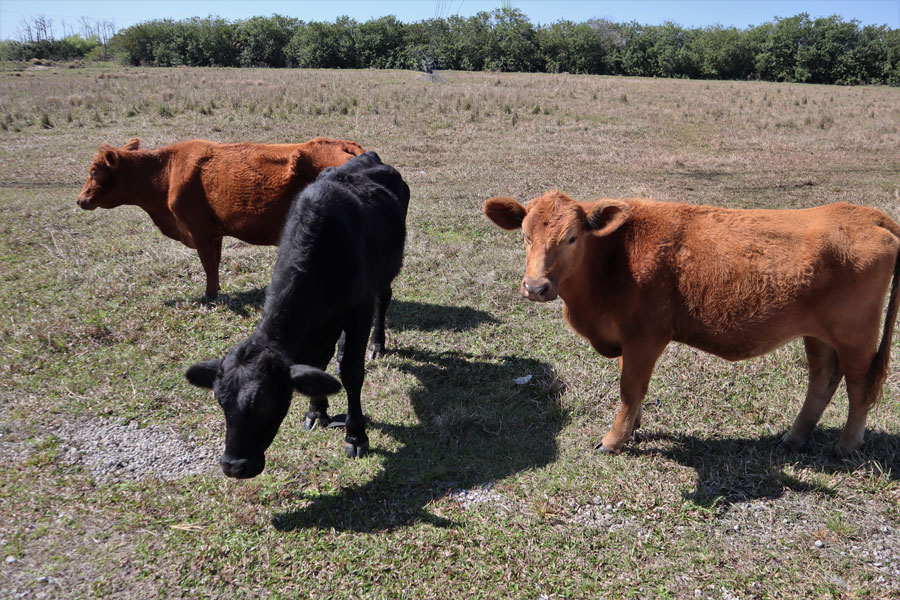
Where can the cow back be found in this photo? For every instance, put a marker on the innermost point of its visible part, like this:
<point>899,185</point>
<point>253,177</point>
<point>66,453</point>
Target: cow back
<point>342,243</point>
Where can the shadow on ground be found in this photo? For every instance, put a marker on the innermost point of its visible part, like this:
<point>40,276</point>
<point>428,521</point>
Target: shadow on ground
<point>242,303</point>
<point>421,316</point>
<point>735,470</point>
<point>475,426</point>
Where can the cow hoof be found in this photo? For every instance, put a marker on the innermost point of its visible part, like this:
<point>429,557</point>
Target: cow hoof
<point>375,351</point>
<point>313,422</point>
<point>788,444</point>
<point>356,448</point>
<point>841,452</point>
<point>604,450</point>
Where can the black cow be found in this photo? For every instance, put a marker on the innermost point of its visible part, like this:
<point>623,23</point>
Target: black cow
<point>341,247</point>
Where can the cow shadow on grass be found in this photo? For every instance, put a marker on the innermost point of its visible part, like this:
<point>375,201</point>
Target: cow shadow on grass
<point>421,316</point>
<point>243,303</point>
<point>474,426</point>
<point>736,470</point>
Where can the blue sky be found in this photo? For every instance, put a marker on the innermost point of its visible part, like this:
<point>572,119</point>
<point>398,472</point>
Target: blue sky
<point>699,13</point>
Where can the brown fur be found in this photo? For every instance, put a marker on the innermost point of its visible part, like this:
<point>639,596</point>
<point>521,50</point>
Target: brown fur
<point>637,274</point>
<point>198,191</point>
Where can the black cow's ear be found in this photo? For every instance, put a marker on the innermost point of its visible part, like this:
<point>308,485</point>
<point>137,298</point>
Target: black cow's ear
<point>606,217</point>
<point>505,212</point>
<point>311,381</point>
<point>203,374</point>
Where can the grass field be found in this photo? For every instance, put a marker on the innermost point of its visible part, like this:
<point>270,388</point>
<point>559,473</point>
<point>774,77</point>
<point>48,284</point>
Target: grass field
<point>478,487</point>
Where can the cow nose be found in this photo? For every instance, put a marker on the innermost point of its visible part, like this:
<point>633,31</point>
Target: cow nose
<point>535,289</point>
<point>242,468</point>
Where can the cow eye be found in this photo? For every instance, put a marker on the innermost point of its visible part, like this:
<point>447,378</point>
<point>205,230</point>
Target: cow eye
<point>572,239</point>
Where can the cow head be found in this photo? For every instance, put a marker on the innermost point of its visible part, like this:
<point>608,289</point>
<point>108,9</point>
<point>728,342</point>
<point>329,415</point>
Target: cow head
<point>102,187</point>
<point>253,385</point>
<point>556,230</point>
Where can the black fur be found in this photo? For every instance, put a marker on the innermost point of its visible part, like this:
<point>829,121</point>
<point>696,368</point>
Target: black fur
<point>340,249</point>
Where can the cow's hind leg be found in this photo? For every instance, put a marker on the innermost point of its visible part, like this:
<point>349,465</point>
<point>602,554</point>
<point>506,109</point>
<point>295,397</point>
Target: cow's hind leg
<point>210,252</point>
<point>824,376</point>
<point>382,301</point>
<point>352,373</point>
<point>856,371</point>
<point>317,415</point>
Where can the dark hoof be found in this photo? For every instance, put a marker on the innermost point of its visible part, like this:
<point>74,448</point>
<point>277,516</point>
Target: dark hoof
<point>376,351</point>
<point>314,422</point>
<point>637,438</point>
<point>604,450</point>
<point>356,448</point>
<point>787,447</point>
<point>338,422</point>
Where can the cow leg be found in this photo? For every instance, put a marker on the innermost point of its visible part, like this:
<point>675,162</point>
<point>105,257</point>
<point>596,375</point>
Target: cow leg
<point>855,427</point>
<point>317,415</point>
<point>382,301</point>
<point>824,376</point>
<point>637,363</point>
<point>210,252</point>
<point>356,442</point>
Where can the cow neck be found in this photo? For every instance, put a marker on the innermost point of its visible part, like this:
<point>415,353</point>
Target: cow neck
<point>293,315</point>
<point>147,173</point>
<point>591,289</point>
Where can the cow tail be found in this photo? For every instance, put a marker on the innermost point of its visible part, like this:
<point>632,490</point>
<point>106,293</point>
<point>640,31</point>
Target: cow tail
<point>877,374</point>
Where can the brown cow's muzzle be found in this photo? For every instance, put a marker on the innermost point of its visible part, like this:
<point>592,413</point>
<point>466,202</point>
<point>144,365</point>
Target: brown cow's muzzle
<point>538,289</point>
<point>86,202</point>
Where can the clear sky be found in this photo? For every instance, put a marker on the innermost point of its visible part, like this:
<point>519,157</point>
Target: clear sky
<point>689,13</point>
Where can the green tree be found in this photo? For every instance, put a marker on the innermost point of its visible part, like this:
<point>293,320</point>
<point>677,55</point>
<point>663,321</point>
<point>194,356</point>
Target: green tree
<point>262,41</point>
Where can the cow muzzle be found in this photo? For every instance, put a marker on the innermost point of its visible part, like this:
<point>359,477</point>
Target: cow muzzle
<point>86,202</point>
<point>242,468</point>
<point>538,289</point>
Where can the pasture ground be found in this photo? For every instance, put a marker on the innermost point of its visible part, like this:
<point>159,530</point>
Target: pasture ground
<point>478,487</point>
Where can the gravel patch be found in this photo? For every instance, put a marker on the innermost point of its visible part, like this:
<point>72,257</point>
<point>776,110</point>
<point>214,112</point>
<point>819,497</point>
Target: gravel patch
<point>115,452</point>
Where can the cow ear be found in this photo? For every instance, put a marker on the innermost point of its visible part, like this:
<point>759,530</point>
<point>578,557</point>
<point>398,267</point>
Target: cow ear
<point>203,374</point>
<point>110,157</point>
<point>311,381</point>
<point>607,217</point>
<point>505,212</point>
<point>132,144</point>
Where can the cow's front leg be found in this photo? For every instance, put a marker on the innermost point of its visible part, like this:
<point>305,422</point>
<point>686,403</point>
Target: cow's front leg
<point>637,364</point>
<point>210,252</point>
<point>352,372</point>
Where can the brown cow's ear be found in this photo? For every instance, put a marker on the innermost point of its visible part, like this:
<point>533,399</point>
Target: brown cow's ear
<point>607,217</point>
<point>132,144</point>
<point>505,212</point>
<point>111,157</point>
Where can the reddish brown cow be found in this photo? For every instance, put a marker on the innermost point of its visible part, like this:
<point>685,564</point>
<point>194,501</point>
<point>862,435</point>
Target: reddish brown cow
<point>197,191</point>
<point>637,274</point>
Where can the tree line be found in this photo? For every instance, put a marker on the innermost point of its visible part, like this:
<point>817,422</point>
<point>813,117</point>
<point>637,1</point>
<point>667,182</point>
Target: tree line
<point>798,48</point>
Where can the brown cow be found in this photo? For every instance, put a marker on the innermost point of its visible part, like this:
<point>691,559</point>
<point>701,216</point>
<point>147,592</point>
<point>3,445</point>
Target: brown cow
<point>197,191</point>
<point>637,274</point>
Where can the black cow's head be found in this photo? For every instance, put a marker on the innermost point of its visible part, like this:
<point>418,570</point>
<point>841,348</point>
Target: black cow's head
<point>253,384</point>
